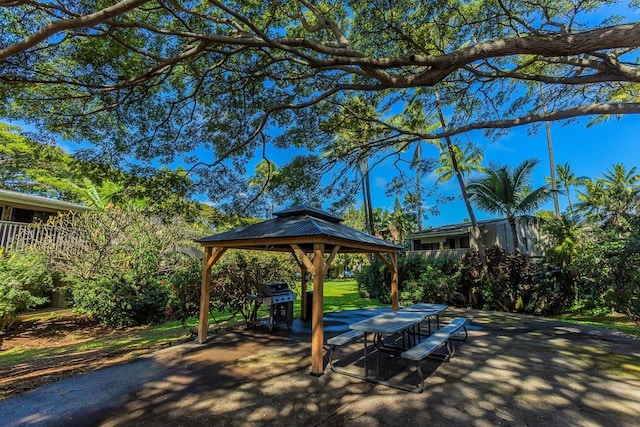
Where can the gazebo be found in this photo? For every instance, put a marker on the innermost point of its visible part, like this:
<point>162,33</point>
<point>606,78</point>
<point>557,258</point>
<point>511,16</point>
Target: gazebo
<point>309,234</point>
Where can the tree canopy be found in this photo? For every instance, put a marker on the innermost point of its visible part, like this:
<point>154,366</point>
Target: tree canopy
<point>209,83</point>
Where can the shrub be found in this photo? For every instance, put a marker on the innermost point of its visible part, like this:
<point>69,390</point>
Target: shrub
<point>608,266</point>
<point>115,261</point>
<point>239,272</point>
<point>510,284</point>
<point>183,285</point>
<point>419,280</point>
<point>374,281</point>
<point>122,302</point>
<point>24,278</point>
<point>433,285</point>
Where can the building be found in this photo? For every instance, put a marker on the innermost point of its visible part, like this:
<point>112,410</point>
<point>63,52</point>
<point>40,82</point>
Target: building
<point>20,215</point>
<point>453,241</point>
<point>27,208</point>
<point>19,212</point>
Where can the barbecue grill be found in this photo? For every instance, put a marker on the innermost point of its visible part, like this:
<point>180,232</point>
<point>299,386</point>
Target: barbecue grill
<point>279,298</point>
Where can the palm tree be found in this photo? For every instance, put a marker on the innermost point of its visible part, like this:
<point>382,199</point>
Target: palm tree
<point>469,160</point>
<point>413,117</point>
<point>475,228</point>
<point>506,191</point>
<point>355,126</point>
<point>611,197</point>
<point>568,179</point>
<point>562,235</point>
<point>622,189</point>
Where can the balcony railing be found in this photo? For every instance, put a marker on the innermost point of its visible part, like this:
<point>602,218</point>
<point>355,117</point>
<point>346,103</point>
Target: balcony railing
<point>17,236</point>
<point>442,253</point>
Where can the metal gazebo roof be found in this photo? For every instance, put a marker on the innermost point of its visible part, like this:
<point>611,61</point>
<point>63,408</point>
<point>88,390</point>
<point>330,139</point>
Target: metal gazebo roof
<point>303,226</point>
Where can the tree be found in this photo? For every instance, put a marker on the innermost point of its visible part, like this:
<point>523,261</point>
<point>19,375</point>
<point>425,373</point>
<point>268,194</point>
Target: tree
<point>469,160</point>
<point>608,199</point>
<point>354,126</point>
<point>568,179</point>
<point>265,173</point>
<point>505,191</point>
<point>562,238</point>
<point>413,117</point>
<point>29,166</point>
<point>116,261</point>
<point>158,80</point>
<point>453,159</point>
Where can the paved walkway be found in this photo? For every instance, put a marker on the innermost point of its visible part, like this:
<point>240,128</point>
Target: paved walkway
<point>513,370</point>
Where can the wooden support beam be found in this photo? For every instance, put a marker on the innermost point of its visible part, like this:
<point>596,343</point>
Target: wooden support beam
<point>303,258</point>
<point>334,252</point>
<point>394,281</point>
<point>317,325</point>
<point>385,261</point>
<point>304,310</point>
<point>210,258</point>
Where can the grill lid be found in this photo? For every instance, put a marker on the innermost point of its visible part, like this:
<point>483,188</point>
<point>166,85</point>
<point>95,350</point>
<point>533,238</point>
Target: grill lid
<point>273,288</point>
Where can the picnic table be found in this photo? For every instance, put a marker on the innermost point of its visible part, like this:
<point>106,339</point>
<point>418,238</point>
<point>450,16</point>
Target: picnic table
<point>387,324</point>
<point>406,322</point>
<point>430,310</point>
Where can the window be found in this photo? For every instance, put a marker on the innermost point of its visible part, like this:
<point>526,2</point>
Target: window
<point>450,243</point>
<point>464,242</point>
<point>419,246</point>
<point>22,215</point>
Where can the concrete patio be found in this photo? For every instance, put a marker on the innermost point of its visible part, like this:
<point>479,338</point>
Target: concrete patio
<point>513,370</point>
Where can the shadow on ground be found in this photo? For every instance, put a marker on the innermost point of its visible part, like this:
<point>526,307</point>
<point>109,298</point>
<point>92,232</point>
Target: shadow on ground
<point>513,370</point>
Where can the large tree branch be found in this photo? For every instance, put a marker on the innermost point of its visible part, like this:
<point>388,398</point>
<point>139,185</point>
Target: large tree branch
<point>68,24</point>
<point>570,113</point>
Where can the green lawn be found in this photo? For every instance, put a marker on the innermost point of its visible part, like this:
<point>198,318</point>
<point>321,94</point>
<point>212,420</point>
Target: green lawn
<point>339,295</point>
<point>616,322</point>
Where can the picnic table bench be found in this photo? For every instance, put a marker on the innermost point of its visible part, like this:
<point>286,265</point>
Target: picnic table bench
<point>440,338</point>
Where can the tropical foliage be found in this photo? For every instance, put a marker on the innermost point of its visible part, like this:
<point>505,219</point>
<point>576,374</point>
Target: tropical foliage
<point>115,261</point>
<point>24,280</point>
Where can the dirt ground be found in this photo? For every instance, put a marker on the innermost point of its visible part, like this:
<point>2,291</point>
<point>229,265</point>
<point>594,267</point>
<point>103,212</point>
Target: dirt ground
<point>513,370</point>
<point>59,331</point>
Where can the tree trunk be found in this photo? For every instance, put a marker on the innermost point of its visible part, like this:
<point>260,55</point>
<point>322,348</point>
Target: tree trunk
<point>475,229</point>
<point>512,223</point>
<point>418,156</point>
<point>552,167</point>
<point>366,196</point>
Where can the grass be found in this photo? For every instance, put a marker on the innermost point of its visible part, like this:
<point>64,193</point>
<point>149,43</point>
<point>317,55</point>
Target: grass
<point>339,295</point>
<point>616,322</point>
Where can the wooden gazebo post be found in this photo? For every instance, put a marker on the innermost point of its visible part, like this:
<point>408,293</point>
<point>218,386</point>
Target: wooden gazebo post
<point>317,321</point>
<point>210,257</point>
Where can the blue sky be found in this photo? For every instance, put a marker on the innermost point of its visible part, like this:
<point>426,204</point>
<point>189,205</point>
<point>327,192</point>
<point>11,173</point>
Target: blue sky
<point>589,152</point>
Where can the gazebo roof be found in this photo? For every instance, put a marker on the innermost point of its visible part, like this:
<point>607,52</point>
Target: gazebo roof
<point>303,226</point>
